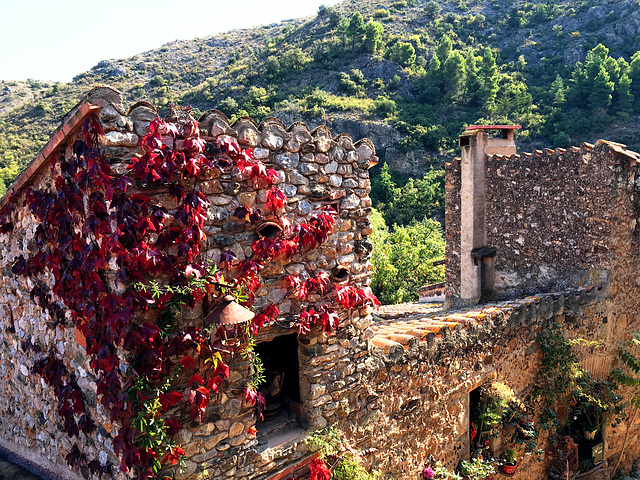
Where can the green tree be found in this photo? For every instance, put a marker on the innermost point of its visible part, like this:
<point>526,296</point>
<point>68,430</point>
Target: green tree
<point>373,36</point>
<point>472,83</point>
<point>558,91</point>
<point>383,188</point>
<point>294,59</point>
<point>634,76</point>
<point>602,89</point>
<point>403,258</point>
<point>454,79</point>
<point>444,48</point>
<point>489,80</point>
<point>356,29</point>
<point>624,97</point>
<point>403,53</point>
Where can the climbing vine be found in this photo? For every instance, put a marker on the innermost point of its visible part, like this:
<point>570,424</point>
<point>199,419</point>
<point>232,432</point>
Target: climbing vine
<point>125,266</point>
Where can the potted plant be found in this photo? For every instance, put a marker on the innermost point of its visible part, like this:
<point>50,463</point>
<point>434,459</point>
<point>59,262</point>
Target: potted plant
<point>510,464</point>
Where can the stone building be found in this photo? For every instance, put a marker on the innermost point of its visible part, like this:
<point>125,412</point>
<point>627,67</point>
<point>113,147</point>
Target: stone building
<point>314,169</point>
<point>547,236</point>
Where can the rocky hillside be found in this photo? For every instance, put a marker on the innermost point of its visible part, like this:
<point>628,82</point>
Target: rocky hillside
<point>409,74</point>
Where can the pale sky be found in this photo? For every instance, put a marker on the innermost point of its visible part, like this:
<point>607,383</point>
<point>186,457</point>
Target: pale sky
<point>58,39</point>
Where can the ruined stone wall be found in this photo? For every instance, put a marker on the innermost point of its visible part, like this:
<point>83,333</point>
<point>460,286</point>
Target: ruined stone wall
<point>550,216</point>
<point>314,169</point>
<point>417,385</point>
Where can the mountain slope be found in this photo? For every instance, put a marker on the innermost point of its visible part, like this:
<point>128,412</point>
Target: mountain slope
<point>401,72</point>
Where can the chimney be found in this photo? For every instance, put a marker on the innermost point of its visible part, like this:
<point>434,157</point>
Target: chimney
<point>477,259</point>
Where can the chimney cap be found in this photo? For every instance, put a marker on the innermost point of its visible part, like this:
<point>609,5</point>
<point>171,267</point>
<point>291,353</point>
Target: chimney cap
<point>494,127</point>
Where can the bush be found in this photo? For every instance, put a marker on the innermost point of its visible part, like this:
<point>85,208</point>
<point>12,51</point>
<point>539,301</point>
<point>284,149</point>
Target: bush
<point>381,13</point>
<point>384,106</point>
<point>157,81</point>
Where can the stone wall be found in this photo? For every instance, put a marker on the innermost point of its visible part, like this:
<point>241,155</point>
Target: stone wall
<point>452,218</point>
<point>314,169</point>
<point>419,376</point>
<point>551,215</point>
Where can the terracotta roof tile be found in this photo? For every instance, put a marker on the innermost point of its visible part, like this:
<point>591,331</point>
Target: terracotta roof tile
<point>401,326</point>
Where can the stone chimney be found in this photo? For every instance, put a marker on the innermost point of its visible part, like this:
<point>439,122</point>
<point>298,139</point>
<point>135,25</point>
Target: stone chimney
<point>477,259</point>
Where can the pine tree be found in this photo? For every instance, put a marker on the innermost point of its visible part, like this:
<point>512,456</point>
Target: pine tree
<point>454,80</point>
<point>403,53</point>
<point>634,76</point>
<point>444,49</point>
<point>472,83</point>
<point>373,36</point>
<point>624,101</point>
<point>356,29</point>
<point>602,89</point>
<point>558,91</point>
<point>596,58</point>
<point>489,79</point>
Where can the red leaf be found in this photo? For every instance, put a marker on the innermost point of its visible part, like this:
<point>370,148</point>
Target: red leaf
<point>319,470</point>
<point>170,399</point>
<point>187,361</point>
<point>276,199</point>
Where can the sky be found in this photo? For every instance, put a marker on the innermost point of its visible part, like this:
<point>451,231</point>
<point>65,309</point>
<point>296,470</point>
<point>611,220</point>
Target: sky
<point>56,40</point>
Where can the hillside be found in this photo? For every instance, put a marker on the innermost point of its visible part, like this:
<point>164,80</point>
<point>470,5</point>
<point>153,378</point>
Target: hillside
<point>409,74</point>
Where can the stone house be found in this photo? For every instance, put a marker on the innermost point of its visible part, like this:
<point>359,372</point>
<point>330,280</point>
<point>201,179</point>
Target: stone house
<point>547,236</point>
<point>314,169</point>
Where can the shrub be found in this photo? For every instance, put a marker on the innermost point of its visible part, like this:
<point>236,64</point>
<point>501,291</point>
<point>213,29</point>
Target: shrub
<point>384,106</point>
<point>157,81</point>
<point>381,13</point>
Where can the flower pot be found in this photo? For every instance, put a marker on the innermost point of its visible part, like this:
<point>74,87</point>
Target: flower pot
<point>509,468</point>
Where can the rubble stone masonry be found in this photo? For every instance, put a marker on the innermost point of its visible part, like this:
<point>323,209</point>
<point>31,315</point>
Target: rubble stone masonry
<point>562,220</point>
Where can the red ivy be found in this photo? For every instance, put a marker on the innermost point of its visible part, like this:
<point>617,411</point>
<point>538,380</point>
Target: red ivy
<point>92,221</point>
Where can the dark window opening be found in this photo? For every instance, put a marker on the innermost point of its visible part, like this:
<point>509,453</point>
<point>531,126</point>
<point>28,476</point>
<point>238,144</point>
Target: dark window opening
<point>335,206</point>
<point>269,230</point>
<point>464,141</point>
<point>340,274</point>
<point>485,257</point>
<point>282,413</point>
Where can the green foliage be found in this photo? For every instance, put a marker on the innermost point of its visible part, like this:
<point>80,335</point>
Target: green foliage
<point>632,363</point>
<point>415,200</point>
<point>373,36</point>
<point>356,29</point>
<point>381,13</point>
<point>488,78</point>
<point>562,383</point>
<point>476,469</point>
<point>343,461</point>
<point>157,81</point>
<point>403,258</point>
<point>403,53</point>
<point>384,106</point>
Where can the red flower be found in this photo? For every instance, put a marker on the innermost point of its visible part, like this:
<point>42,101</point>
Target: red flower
<point>319,470</point>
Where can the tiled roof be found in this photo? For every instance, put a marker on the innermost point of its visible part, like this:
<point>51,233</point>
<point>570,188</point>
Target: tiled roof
<point>410,323</point>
